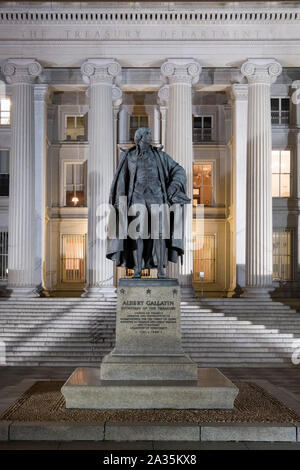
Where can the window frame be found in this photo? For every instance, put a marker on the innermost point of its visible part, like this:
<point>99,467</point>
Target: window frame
<point>62,257</point>
<point>5,126</point>
<point>139,116</point>
<point>287,149</point>
<point>75,115</point>
<point>66,162</point>
<point>213,186</point>
<point>8,150</point>
<point>214,259</point>
<point>290,230</point>
<point>202,116</point>
<point>4,255</point>
<point>280,111</point>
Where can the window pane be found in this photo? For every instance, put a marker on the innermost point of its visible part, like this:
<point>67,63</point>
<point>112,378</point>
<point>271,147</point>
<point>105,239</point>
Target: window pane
<point>134,121</point>
<point>80,122</point>
<point>285,186</point>
<point>144,121</point>
<point>79,174</point>
<point>206,195</point>
<point>197,122</point>
<point>207,122</point>
<point>70,122</point>
<point>275,161</point>
<point>275,186</point>
<point>4,185</point>
<point>282,255</point>
<point>285,161</point>
<point>285,104</point>
<point>275,104</point>
<point>69,173</point>
<point>204,257</point>
<point>207,174</point>
<point>4,161</point>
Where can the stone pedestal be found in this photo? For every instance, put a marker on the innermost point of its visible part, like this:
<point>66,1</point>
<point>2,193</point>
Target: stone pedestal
<point>148,334</point>
<point>148,368</point>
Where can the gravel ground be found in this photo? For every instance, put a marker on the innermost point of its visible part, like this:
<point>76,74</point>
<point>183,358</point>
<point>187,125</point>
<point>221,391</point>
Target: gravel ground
<point>44,402</point>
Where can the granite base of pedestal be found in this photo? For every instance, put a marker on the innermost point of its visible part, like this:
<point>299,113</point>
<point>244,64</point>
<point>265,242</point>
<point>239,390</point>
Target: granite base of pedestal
<point>152,367</point>
<point>212,390</point>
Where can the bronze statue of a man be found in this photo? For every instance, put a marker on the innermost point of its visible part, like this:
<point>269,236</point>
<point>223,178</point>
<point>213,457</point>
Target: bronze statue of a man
<point>148,178</point>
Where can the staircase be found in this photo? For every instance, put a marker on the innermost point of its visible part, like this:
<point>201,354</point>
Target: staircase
<point>215,332</point>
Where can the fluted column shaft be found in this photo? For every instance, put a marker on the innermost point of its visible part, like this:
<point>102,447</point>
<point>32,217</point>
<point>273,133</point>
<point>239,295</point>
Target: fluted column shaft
<point>259,263</point>
<point>41,92</point>
<point>21,74</point>
<point>240,98</point>
<point>181,74</point>
<point>100,73</point>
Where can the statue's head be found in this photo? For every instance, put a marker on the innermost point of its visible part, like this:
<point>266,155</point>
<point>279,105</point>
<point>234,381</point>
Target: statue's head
<point>143,136</point>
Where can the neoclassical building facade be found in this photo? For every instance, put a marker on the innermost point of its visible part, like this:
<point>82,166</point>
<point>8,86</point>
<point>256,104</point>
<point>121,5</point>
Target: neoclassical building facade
<point>218,86</point>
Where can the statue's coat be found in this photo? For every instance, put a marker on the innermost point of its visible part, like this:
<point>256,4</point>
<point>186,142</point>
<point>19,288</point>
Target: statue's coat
<point>171,175</point>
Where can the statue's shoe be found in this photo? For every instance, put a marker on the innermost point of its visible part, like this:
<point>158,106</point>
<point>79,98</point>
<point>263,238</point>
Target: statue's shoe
<point>137,274</point>
<point>161,274</point>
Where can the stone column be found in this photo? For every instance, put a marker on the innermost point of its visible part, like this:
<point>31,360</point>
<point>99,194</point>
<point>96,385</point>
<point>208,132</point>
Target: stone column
<point>163,96</point>
<point>261,73</point>
<point>296,119</point>
<point>100,74</point>
<point>41,93</point>
<point>240,100</point>
<point>21,74</point>
<point>117,100</point>
<point>180,75</point>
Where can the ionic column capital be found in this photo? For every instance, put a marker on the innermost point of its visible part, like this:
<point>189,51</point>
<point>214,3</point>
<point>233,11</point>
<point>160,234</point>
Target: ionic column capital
<point>116,96</point>
<point>181,71</point>
<point>163,95</point>
<point>18,71</point>
<point>100,71</point>
<point>263,71</point>
<point>296,84</point>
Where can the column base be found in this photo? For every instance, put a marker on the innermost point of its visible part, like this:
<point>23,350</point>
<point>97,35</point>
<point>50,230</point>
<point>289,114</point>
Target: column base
<point>257,292</point>
<point>99,292</point>
<point>19,292</point>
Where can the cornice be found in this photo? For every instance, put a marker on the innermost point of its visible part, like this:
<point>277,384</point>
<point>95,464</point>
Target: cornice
<point>157,13</point>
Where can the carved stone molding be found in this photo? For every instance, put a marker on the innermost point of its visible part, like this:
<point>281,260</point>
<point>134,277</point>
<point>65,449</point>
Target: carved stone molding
<point>181,71</point>
<point>264,71</point>
<point>100,71</point>
<point>41,92</point>
<point>239,92</point>
<point>21,70</point>
<point>116,96</point>
<point>163,95</point>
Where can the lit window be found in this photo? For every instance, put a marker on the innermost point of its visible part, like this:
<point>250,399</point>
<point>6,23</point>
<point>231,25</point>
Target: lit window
<point>4,172</point>
<point>202,128</point>
<point>137,121</point>
<point>73,258</point>
<point>3,254</point>
<point>280,111</point>
<point>283,255</point>
<point>203,184</point>
<point>5,108</point>
<point>76,128</point>
<point>75,177</point>
<point>281,173</point>
<point>204,258</point>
